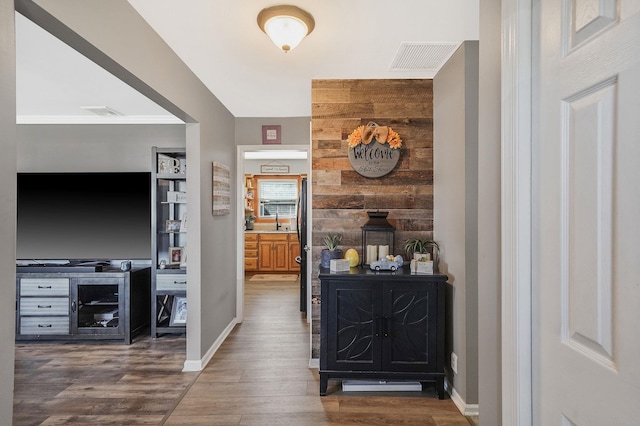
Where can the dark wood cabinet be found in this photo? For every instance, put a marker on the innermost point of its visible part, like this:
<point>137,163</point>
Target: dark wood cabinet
<point>382,326</point>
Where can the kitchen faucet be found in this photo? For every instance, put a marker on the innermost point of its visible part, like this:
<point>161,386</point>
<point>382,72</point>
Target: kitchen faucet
<point>277,224</point>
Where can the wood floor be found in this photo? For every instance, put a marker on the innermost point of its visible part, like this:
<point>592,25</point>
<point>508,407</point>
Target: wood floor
<point>260,376</point>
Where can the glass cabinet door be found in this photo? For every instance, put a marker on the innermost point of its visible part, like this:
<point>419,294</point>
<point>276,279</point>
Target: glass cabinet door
<point>97,306</point>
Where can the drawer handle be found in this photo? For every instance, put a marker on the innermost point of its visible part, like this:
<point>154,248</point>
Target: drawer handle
<point>179,282</point>
<point>44,306</point>
<point>44,286</point>
<point>45,325</point>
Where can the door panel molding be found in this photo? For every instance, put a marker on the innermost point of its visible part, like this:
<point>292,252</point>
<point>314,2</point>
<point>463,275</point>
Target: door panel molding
<point>583,19</point>
<point>588,144</point>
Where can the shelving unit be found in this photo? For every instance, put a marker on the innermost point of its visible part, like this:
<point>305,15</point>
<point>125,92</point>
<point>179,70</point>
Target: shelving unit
<point>169,239</point>
<point>249,192</point>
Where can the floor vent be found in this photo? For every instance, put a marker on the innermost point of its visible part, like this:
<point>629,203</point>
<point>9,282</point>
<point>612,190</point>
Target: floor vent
<point>422,56</point>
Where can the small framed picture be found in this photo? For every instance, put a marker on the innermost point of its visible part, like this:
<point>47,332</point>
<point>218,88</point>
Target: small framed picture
<point>176,255</point>
<point>178,311</point>
<point>173,225</point>
<point>271,135</point>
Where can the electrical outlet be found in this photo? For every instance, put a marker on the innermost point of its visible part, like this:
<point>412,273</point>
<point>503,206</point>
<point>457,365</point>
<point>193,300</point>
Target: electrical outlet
<point>454,362</point>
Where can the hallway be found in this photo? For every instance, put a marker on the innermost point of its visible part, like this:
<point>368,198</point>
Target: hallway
<point>259,376</point>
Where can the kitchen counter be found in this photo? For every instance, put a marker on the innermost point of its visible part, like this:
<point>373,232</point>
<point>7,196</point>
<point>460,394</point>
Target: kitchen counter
<point>261,231</point>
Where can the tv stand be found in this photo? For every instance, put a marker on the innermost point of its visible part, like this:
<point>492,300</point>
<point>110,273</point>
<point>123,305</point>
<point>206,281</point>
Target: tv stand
<point>58,268</point>
<point>72,303</point>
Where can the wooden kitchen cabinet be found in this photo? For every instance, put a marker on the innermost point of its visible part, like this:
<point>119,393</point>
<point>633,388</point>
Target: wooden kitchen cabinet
<point>250,252</point>
<point>273,253</point>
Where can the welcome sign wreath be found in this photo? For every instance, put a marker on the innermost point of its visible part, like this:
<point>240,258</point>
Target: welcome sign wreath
<point>374,150</point>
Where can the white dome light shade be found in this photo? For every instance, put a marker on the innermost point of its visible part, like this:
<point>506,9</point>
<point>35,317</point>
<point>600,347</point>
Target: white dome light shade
<point>287,26</point>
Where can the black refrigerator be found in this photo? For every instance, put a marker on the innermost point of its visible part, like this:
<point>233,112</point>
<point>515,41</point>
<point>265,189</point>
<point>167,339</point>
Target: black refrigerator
<point>301,226</point>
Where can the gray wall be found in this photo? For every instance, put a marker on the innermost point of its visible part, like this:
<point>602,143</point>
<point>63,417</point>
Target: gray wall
<point>138,56</point>
<point>489,350</point>
<point>7,207</point>
<point>93,148</point>
<point>455,139</point>
<point>295,130</point>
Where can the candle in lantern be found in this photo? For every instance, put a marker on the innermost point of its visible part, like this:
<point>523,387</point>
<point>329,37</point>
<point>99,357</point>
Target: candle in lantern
<point>372,254</point>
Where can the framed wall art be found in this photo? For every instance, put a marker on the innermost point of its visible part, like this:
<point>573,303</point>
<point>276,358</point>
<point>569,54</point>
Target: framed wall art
<point>271,135</point>
<point>221,189</point>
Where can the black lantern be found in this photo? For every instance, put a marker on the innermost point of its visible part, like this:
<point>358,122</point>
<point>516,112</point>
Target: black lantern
<point>377,237</point>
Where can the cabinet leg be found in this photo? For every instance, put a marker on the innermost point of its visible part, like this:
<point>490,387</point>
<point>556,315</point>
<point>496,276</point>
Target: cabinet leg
<point>324,382</point>
<point>440,387</point>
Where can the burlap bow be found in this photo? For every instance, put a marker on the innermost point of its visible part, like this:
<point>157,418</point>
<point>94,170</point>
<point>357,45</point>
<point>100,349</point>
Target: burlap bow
<point>372,130</point>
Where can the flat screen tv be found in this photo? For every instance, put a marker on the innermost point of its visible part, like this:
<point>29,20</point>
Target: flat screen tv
<point>84,216</point>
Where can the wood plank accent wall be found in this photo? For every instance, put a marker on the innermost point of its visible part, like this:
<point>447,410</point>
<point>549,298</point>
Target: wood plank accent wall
<point>342,197</point>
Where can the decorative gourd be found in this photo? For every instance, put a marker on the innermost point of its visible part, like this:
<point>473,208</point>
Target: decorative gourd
<point>353,257</point>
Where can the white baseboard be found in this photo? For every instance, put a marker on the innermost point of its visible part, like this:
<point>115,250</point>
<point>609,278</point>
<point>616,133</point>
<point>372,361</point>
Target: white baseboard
<point>464,408</point>
<point>198,365</point>
<point>314,363</point>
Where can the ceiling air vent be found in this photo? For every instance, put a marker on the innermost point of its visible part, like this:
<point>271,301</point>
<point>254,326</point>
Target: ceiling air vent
<point>422,56</point>
<point>102,111</point>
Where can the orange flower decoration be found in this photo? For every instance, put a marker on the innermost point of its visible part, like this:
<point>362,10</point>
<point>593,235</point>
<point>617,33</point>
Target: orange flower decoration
<point>355,138</point>
<point>394,140</point>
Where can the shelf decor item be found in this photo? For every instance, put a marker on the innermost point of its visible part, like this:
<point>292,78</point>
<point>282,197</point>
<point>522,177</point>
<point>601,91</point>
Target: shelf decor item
<point>178,311</point>
<point>377,237</point>
<point>168,165</point>
<point>173,225</point>
<point>331,250</point>
<point>374,150</point>
<point>175,255</point>
<point>423,250</point>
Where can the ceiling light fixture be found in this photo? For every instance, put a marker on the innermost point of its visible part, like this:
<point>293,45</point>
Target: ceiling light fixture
<point>286,25</point>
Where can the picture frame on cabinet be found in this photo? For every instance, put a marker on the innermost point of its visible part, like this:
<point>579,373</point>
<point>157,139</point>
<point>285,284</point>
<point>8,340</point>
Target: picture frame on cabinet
<point>178,311</point>
<point>173,226</point>
<point>176,255</point>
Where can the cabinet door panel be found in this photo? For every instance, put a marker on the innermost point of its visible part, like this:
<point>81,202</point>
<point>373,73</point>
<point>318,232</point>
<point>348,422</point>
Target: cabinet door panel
<point>265,256</point>
<point>353,325</point>
<point>281,256</point>
<point>410,312</point>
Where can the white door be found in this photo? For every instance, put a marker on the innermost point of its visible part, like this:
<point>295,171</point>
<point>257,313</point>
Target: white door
<point>586,224</point>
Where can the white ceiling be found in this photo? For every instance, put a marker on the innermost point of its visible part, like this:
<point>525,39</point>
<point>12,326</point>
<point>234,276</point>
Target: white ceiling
<point>221,42</point>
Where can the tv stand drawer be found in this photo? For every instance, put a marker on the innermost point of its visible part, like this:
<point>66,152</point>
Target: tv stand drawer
<point>44,325</point>
<point>44,306</point>
<point>44,287</point>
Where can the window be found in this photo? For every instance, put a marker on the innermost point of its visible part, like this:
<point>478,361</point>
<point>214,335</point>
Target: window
<point>277,196</point>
